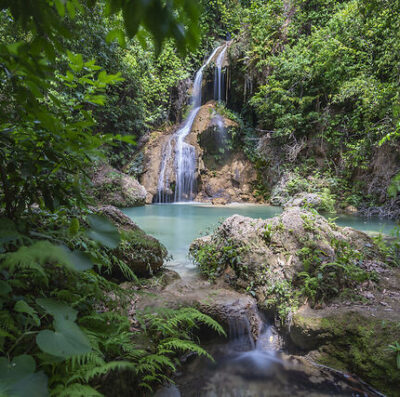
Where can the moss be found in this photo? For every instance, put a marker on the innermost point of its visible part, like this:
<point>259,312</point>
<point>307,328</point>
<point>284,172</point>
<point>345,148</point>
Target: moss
<point>143,254</point>
<point>358,343</point>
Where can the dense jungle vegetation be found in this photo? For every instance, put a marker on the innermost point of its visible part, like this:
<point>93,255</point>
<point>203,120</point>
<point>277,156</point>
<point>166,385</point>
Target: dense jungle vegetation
<point>87,80</point>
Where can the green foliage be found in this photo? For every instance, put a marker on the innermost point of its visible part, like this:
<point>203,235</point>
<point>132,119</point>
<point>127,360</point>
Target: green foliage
<point>70,322</point>
<point>322,279</point>
<point>43,155</point>
<point>394,187</point>
<point>18,377</point>
<point>396,348</point>
<point>282,298</point>
<point>160,19</point>
<point>212,259</point>
<point>103,231</point>
<point>62,105</point>
<point>389,246</point>
<point>325,73</point>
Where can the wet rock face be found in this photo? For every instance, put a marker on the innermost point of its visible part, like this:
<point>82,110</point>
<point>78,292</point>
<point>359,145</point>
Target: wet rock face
<point>225,174</point>
<point>113,187</point>
<point>143,254</point>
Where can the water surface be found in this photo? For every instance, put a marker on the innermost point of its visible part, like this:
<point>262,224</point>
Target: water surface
<point>176,225</point>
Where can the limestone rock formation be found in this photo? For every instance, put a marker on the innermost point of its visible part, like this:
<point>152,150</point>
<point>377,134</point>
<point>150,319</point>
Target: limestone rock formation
<point>270,250</point>
<point>308,200</point>
<point>354,337</point>
<point>217,300</point>
<point>113,187</point>
<point>143,254</point>
<point>153,154</point>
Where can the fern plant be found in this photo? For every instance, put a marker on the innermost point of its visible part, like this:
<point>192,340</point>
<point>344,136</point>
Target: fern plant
<point>58,308</point>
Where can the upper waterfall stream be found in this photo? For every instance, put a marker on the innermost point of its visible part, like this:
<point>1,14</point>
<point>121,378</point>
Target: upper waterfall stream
<point>218,80</point>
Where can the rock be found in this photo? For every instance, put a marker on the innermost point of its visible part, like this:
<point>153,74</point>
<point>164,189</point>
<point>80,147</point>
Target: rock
<point>306,200</point>
<point>353,338</point>
<point>351,210</point>
<point>113,187</point>
<point>168,391</point>
<point>293,190</point>
<point>115,215</point>
<point>220,170</point>
<point>141,253</point>
<point>265,257</point>
<point>269,250</point>
<point>153,154</point>
<point>219,201</point>
<point>217,300</point>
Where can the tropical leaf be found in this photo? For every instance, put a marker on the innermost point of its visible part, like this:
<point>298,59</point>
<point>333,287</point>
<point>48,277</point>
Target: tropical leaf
<point>103,231</point>
<point>67,340</point>
<point>19,379</point>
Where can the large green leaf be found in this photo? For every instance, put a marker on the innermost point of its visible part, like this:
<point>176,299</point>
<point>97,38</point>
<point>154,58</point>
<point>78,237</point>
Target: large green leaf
<point>57,309</point>
<point>5,288</point>
<point>78,260</point>
<point>67,340</point>
<point>18,378</point>
<point>103,231</point>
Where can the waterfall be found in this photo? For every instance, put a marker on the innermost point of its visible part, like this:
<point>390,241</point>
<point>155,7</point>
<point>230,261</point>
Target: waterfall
<point>218,80</point>
<point>185,154</point>
<point>163,180</point>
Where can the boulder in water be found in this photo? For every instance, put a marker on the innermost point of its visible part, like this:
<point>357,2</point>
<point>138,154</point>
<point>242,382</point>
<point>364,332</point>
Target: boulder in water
<point>265,250</point>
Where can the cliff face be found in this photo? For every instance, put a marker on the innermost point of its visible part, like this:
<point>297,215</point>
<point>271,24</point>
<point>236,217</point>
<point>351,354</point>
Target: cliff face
<point>223,172</point>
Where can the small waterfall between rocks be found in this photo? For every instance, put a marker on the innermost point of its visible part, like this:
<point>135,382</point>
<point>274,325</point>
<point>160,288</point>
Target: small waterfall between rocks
<point>244,367</point>
<point>185,154</point>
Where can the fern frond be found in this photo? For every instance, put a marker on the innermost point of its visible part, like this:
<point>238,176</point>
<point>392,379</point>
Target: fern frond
<point>157,361</point>
<point>191,317</point>
<point>75,390</point>
<point>185,345</point>
<point>87,374</point>
<point>126,271</point>
<point>91,358</point>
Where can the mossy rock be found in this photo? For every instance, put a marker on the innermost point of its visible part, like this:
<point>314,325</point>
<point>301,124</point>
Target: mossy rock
<point>142,253</point>
<point>352,340</point>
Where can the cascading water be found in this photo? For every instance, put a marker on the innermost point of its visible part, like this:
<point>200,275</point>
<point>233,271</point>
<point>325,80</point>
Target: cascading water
<point>218,80</point>
<point>243,368</point>
<point>185,154</point>
<point>163,180</point>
